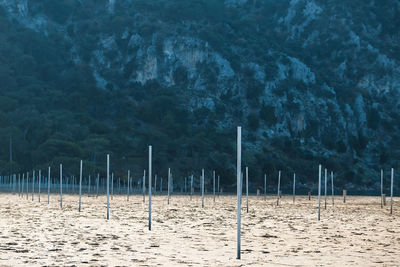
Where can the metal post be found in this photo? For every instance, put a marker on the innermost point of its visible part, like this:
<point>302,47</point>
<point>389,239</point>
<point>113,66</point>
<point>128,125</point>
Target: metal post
<point>326,178</point>
<point>60,185</point>
<point>279,186</point>
<point>108,186</point>
<point>333,192</point>
<point>40,178</point>
<point>294,187</point>
<point>33,184</point>
<point>381,188</point>
<point>214,184</point>
<point>391,192</point>
<point>218,187</point>
<point>247,189</point>
<point>127,194</point>
<point>239,188</point>
<point>80,187</point>
<point>48,186</point>
<point>150,187</point>
<point>202,188</point>
<point>319,193</point>
<point>144,186</point>
<point>169,182</point>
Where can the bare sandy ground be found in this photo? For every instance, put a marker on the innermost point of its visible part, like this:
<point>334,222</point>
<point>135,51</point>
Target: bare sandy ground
<point>356,233</point>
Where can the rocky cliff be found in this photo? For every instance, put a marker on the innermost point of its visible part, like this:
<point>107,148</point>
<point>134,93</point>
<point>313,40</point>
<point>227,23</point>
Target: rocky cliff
<point>310,81</point>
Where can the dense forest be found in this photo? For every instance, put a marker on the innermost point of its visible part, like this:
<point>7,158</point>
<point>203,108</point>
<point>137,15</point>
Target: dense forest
<point>82,80</point>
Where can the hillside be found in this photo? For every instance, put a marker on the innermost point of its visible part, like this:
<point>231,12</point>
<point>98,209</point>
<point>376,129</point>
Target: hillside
<point>309,81</point>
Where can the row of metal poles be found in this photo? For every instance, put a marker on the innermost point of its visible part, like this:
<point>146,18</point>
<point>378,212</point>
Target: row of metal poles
<point>12,182</point>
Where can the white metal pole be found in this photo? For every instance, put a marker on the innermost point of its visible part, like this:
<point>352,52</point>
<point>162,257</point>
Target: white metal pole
<point>319,193</point>
<point>80,186</point>
<point>247,189</point>
<point>97,186</point>
<point>391,192</point>
<point>48,186</point>
<point>112,185</point>
<point>19,185</point>
<point>108,186</point>
<point>169,182</point>
<point>129,176</point>
<point>88,194</point>
<point>265,186</point>
<point>22,185</point>
<point>150,187</point>
<point>381,188</point>
<point>294,187</point>
<point>202,188</point>
<point>40,178</point>
<point>239,187</point>
<point>33,184</point>
<point>144,186</point>
<point>279,188</point>
<point>191,186</point>
<point>61,185</point>
<point>333,192</point>
<point>218,187</point>
<point>214,184</point>
<point>155,184</point>
<point>326,178</point>
<point>27,184</point>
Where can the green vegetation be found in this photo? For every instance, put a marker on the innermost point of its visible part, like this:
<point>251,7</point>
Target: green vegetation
<point>52,108</point>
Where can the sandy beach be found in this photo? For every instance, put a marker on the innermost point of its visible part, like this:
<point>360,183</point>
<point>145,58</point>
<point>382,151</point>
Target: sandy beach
<point>359,232</point>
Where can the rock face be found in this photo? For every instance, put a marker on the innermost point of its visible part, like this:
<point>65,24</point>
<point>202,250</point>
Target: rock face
<point>319,78</point>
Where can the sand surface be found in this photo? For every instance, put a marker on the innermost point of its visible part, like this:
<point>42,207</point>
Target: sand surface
<point>356,233</point>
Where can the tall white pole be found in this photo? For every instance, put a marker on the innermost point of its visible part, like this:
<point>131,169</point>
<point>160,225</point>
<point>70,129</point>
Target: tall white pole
<point>155,184</point>
<point>218,187</point>
<point>112,185</point>
<point>19,185</point>
<point>22,185</point>
<point>80,186</point>
<point>144,185</point>
<point>33,184</point>
<point>319,193</point>
<point>279,188</point>
<point>88,193</point>
<point>239,188</point>
<point>27,181</point>
<point>326,178</point>
<point>247,190</point>
<point>48,186</point>
<point>97,186</point>
<point>169,182</point>
<point>108,186</point>
<point>40,178</point>
<point>391,192</point>
<point>333,191</point>
<point>150,188</point>
<point>294,187</point>
<point>202,188</point>
<point>265,186</point>
<point>129,176</point>
<point>214,184</point>
<point>191,186</point>
<point>119,185</point>
<point>381,188</point>
<point>61,185</point>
